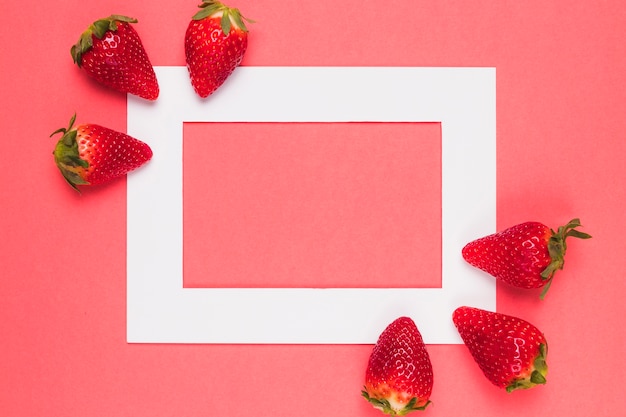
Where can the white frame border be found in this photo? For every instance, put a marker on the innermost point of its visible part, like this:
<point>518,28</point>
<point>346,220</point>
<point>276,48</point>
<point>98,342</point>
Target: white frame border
<point>160,310</point>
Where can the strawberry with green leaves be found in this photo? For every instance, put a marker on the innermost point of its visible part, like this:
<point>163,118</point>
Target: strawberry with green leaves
<point>399,375</point>
<point>90,154</point>
<point>526,255</point>
<point>215,43</point>
<point>510,351</point>
<point>110,51</point>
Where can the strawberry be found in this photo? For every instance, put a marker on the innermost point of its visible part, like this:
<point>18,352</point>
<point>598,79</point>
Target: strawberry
<point>526,255</point>
<point>510,351</point>
<point>111,52</point>
<point>215,42</point>
<point>399,376</point>
<point>90,154</point>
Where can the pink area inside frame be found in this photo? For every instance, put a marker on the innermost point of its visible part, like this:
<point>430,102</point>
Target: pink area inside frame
<point>327,205</point>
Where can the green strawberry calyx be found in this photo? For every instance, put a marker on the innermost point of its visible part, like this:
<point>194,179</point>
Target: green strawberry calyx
<point>385,406</point>
<point>230,16</point>
<point>67,158</point>
<point>537,376</point>
<point>98,29</point>
<point>557,247</point>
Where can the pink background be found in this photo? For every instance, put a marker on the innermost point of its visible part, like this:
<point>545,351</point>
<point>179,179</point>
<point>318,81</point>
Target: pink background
<point>560,145</point>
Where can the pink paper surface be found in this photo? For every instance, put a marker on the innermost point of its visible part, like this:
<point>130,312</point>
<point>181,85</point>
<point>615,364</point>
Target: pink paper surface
<point>560,106</point>
<point>328,204</point>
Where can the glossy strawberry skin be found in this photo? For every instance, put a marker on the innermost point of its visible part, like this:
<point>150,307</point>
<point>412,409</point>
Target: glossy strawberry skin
<point>399,375</point>
<point>91,154</point>
<point>517,255</point>
<point>526,255</point>
<point>510,351</point>
<point>111,52</point>
<point>215,43</point>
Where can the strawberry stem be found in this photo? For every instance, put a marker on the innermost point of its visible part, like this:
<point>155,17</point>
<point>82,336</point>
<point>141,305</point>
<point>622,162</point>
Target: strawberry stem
<point>557,247</point>
<point>538,374</point>
<point>545,290</point>
<point>67,157</point>
<point>383,405</point>
<point>98,29</point>
<point>229,17</point>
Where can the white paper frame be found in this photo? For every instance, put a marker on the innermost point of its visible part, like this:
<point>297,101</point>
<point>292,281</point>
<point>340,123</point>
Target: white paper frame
<point>160,310</point>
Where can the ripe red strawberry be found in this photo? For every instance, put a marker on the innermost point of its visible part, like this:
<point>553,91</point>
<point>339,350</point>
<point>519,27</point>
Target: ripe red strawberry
<point>526,255</point>
<point>215,42</point>
<point>90,154</point>
<point>399,376</point>
<point>111,52</point>
<point>510,351</point>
